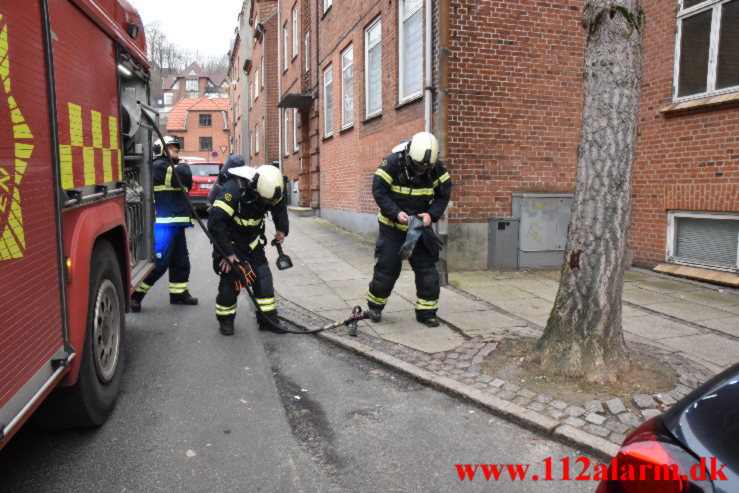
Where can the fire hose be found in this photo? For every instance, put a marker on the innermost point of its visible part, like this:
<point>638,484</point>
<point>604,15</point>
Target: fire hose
<point>356,314</point>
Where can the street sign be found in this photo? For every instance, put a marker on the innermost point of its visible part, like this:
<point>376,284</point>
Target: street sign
<point>223,149</point>
<point>215,154</point>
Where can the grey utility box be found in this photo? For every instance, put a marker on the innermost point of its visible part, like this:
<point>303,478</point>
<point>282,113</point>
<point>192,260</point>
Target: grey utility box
<point>544,218</point>
<point>502,243</point>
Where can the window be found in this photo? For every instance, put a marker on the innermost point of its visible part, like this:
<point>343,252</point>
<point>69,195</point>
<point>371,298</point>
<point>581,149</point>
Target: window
<point>262,80</point>
<point>703,240</point>
<point>295,129</point>
<point>410,49</point>
<point>286,135</point>
<point>373,69</point>
<point>206,143</point>
<point>191,85</point>
<point>181,140</point>
<point>327,103</point>
<point>284,46</point>
<point>327,4</point>
<point>168,98</point>
<point>347,88</point>
<point>206,120</point>
<point>307,51</point>
<point>256,139</point>
<point>295,31</point>
<point>256,85</point>
<point>707,58</point>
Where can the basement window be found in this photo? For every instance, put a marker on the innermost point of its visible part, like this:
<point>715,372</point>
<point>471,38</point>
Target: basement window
<point>703,240</point>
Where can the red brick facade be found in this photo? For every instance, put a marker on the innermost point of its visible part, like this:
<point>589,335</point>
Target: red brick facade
<point>514,100</point>
<point>686,161</point>
<point>262,71</point>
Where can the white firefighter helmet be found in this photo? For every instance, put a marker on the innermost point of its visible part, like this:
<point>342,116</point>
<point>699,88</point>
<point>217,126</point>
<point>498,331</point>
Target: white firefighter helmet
<point>168,140</point>
<point>423,151</point>
<point>246,171</point>
<point>269,183</point>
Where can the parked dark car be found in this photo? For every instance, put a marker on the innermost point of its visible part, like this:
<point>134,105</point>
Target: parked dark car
<point>693,447</point>
<point>204,175</point>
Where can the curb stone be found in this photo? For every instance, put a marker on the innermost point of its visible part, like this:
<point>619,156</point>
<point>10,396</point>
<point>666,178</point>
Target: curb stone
<point>531,420</point>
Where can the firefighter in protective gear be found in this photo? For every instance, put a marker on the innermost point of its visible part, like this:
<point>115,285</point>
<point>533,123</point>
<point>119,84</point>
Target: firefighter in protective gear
<point>411,181</point>
<point>172,217</point>
<point>236,223</point>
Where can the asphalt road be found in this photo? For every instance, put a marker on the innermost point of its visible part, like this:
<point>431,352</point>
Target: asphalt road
<point>266,412</point>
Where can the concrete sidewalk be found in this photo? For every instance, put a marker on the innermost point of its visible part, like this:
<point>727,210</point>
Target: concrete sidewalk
<point>692,326</point>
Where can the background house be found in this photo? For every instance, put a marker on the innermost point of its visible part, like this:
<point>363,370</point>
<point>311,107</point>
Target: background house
<point>202,125</point>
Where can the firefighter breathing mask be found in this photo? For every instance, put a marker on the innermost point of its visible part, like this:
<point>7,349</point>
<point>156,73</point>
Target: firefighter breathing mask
<point>422,152</point>
<point>266,180</point>
<point>168,140</point>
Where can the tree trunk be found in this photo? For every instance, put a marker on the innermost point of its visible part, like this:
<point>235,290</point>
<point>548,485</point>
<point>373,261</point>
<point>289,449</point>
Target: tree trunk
<point>583,336</point>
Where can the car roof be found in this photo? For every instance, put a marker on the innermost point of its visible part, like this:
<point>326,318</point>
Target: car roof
<point>205,162</point>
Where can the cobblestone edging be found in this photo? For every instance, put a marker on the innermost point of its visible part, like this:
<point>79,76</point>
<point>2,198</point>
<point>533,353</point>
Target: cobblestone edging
<point>600,426</point>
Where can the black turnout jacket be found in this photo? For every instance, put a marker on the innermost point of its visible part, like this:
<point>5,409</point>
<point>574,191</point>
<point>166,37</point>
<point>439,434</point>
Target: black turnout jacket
<point>397,189</point>
<point>236,219</point>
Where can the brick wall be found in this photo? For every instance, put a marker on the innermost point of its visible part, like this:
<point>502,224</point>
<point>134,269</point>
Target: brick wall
<point>350,157</point>
<point>263,111</point>
<point>291,83</point>
<point>685,161</point>
<point>515,97</point>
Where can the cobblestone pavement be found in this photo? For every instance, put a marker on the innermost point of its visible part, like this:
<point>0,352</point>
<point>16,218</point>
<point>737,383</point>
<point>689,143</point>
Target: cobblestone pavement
<point>486,308</point>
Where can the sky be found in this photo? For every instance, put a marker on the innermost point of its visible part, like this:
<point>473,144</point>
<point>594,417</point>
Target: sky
<point>197,25</point>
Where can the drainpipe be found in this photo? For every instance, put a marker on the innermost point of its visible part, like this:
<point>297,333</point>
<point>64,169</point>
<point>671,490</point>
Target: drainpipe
<point>428,93</point>
<point>280,116</point>
<point>443,133</point>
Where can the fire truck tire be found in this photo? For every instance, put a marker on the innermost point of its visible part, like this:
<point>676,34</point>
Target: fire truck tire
<point>91,400</point>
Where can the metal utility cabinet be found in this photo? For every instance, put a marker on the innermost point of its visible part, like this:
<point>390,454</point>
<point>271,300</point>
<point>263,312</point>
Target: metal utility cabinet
<point>534,236</point>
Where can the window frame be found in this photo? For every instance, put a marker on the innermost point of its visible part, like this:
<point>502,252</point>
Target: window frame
<point>328,123</point>
<point>296,146</point>
<point>171,99</point>
<point>671,247</point>
<point>256,138</point>
<point>286,137</point>
<point>295,31</point>
<point>401,55</point>
<point>261,81</point>
<point>200,144</point>
<point>307,52</point>
<point>256,85</point>
<point>210,120</point>
<point>344,123</point>
<point>715,31</point>
<point>367,49</point>
<point>187,85</point>
<point>285,40</point>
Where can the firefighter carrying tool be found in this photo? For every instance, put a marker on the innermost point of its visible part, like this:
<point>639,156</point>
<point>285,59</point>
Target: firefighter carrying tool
<point>409,182</point>
<point>242,276</point>
<point>172,217</point>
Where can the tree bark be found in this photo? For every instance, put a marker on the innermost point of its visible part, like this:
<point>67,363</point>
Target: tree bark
<point>583,336</point>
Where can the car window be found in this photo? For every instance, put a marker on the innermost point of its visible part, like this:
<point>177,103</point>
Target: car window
<point>205,169</point>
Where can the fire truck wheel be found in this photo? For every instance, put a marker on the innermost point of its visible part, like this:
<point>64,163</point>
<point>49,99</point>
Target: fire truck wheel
<point>92,398</point>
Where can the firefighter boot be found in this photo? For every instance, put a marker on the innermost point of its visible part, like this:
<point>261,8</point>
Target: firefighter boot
<point>375,312</point>
<point>136,298</point>
<point>184,298</point>
<point>269,321</point>
<point>427,319</point>
<point>226,325</point>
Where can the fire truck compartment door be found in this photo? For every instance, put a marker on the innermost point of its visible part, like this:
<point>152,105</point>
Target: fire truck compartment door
<point>31,317</point>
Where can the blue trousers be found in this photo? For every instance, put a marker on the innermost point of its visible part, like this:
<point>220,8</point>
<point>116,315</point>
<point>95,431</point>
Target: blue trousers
<point>170,248</point>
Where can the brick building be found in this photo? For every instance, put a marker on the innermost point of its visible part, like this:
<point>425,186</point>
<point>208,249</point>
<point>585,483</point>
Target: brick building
<point>507,86</point>
<point>262,84</point>
<point>238,57</point>
<point>202,125</point>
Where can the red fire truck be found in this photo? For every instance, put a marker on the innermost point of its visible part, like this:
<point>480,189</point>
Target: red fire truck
<point>75,204</point>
